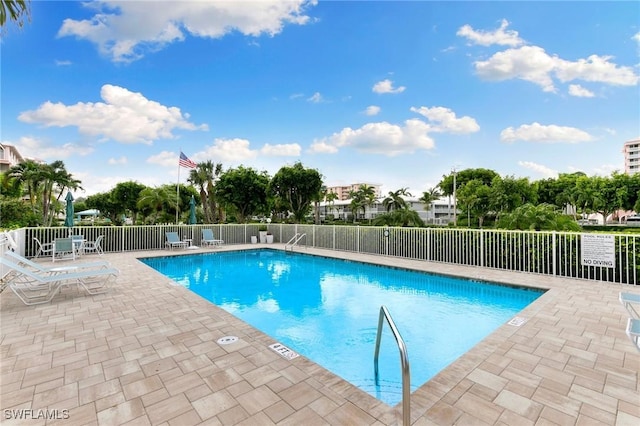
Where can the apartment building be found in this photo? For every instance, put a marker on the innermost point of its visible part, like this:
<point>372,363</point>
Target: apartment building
<point>343,191</point>
<point>9,157</point>
<point>631,152</point>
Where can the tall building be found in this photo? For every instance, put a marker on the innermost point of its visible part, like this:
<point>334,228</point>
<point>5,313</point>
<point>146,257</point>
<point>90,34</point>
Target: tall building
<point>631,156</point>
<point>343,191</point>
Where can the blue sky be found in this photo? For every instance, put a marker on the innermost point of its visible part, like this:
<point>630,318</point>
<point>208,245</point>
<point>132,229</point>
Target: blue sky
<point>392,93</point>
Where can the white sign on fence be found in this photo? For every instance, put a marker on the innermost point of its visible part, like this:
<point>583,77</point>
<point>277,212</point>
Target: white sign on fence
<point>598,250</point>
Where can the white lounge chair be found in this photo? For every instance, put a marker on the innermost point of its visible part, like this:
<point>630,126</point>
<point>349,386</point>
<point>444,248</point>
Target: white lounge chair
<point>43,248</point>
<point>631,302</point>
<point>209,240</point>
<point>40,268</point>
<point>94,246</point>
<point>173,241</point>
<point>633,331</point>
<point>33,287</point>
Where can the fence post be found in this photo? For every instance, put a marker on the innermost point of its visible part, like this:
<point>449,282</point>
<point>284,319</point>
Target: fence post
<point>554,256</point>
<point>482,231</point>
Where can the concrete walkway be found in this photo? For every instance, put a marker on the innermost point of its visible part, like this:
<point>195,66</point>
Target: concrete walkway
<point>146,354</point>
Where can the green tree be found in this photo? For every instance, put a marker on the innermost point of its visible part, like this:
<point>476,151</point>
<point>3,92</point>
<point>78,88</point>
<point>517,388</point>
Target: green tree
<point>104,202</point>
<point>126,195</point>
<point>15,10</point>
<point>364,197</point>
<point>158,204</point>
<point>331,198</point>
<point>508,193</point>
<point>296,187</point>
<point>394,200</point>
<point>542,217</point>
<point>244,190</point>
<point>400,217</point>
<point>476,198</point>
<point>568,194</point>
<point>429,196</point>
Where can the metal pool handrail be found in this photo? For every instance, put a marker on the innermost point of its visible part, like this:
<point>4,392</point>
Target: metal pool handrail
<point>404,361</point>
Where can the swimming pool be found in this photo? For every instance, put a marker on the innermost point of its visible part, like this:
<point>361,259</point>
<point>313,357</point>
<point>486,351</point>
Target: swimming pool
<point>327,310</point>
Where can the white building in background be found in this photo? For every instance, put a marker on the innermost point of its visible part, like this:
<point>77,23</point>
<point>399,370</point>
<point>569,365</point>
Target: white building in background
<point>439,212</point>
<point>9,157</point>
<point>631,152</point>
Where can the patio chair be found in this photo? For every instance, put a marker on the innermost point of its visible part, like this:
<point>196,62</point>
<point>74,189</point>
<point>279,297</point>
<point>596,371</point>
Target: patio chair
<point>631,302</point>
<point>94,246</point>
<point>633,331</point>
<point>43,248</point>
<point>63,248</point>
<point>34,287</point>
<point>173,241</point>
<point>209,240</point>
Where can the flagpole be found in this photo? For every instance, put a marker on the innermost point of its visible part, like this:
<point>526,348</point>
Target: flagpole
<point>178,190</point>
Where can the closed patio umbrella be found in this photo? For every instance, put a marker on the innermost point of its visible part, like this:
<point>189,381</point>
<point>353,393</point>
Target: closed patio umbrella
<point>192,211</point>
<point>68,220</point>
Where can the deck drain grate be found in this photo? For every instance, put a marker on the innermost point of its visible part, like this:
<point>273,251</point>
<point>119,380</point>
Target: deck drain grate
<point>227,340</point>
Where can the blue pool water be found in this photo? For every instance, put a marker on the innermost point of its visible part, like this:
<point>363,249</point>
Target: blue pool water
<point>327,310</point>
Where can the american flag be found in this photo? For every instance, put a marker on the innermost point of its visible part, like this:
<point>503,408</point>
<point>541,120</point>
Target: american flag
<point>185,162</point>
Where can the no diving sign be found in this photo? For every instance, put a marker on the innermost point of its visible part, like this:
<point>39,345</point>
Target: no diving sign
<point>598,250</point>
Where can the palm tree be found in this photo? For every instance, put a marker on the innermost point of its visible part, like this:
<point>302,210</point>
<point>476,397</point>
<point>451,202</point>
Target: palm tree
<point>322,193</point>
<point>27,175</point>
<point>429,196</point>
<point>154,200</point>
<point>56,179</point>
<point>14,10</point>
<point>214,170</point>
<point>360,199</point>
<point>331,197</point>
<point>395,201</point>
<point>199,177</point>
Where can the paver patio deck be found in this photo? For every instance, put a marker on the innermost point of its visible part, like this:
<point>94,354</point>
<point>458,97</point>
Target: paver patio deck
<point>146,353</point>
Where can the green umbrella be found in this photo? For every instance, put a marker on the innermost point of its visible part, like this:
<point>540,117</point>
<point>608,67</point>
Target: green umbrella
<point>192,211</point>
<point>68,220</point>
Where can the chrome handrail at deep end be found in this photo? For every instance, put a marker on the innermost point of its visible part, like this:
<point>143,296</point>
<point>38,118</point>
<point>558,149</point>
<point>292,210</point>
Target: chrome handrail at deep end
<point>404,362</point>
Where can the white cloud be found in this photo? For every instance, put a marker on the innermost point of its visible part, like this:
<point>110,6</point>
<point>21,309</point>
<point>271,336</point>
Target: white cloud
<point>38,149</point>
<point>296,96</point>
<point>579,91</point>
<point>444,120</point>
<point>316,98</point>
<point>530,63</point>
<point>117,161</point>
<point>165,159</point>
<point>379,138</point>
<point>322,147</point>
<point>533,64</point>
<point>372,110</point>
<point>124,31</point>
<point>501,36</point>
<point>228,150</point>
<point>386,86</point>
<point>124,116</point>
<point>285,150</point>
<point>537,132</point>
<point>62,63</point>
<point>539,168</point>
<point>596,68</point>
